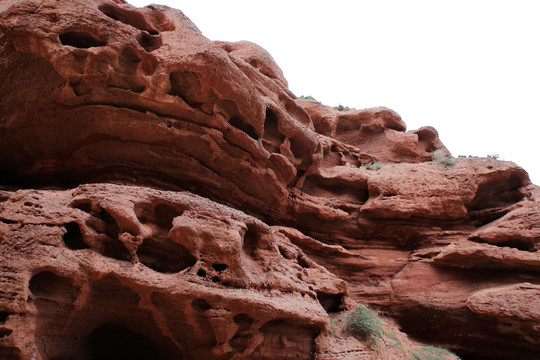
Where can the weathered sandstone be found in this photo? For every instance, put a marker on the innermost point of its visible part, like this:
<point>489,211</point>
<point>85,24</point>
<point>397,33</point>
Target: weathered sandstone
<point>170,195</point>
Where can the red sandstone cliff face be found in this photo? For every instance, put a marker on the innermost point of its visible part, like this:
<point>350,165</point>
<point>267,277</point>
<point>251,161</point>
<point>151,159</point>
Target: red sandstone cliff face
<point>242,218</point>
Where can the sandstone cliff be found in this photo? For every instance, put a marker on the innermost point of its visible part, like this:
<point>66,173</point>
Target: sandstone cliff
<point>165,196</point>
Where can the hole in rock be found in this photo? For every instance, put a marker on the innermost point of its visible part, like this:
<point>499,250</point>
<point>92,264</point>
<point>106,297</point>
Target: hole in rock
<point>201,273</point>
<point>159,252</point>
<point>51,286</point>
<point>112,247</point>
<point>62,330</point>
<point>129,17</point>
<point>129,60</point>
<point>242,125</point>
<point>301,152</point>
<point>329,302</point>
<point>83,205</point>
<point>303,262</point>
<point>111,227</point>
<point>164,215</point>
<point>243,321</point>
<point>346,125</point>
<point>73,237</point>
<point>216,279</point>
<point>200,305</point>
<point>125,75</point>
<point>520,244</point>
<point>250,240</point>
<point>220,267</point>
<point>6,221</point>
<point>187,86</point>
<point>272,138</point>
<point>493,196</point>
<point>286,253</point>
<point>149,42</point>
<point>5,332</point>
<point>298,150</point>
<point>164,255</point>
<point>111,341</point>
<point>356,193</point>
<point>81,40</point>
<point>4,315</point>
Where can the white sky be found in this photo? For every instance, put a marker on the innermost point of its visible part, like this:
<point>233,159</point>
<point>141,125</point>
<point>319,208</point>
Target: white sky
<point>469,68</point>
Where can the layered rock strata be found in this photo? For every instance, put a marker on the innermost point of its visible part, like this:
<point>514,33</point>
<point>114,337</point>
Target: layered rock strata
<point>240,217</point>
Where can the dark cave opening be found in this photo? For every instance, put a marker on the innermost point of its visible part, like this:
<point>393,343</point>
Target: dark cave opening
<point>115,342</point>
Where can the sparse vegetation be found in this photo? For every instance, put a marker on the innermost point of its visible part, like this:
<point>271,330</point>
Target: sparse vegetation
<point>364,324</point>
<point>332,326</point>
<point>429,352</point>
<point>374,165</point>
<point>308,97</point>
<point>342,108</point>
<point>493,156</point>
<point>440,157</point>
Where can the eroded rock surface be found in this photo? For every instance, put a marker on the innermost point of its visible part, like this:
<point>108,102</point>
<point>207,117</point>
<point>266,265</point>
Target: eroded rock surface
<point>273,213</point>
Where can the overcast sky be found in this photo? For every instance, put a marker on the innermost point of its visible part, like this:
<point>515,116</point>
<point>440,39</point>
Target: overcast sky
<point>469,68</point>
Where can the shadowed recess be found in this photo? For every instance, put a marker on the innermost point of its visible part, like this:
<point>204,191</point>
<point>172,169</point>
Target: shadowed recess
<point>5,333</point>
<point>149,42</point>
<point>129,17</point>
<point>352,192</point>
<point>500,192</point>
<point>493,197</point>
<point>164,255</point>
<point>81,40</point>
<point>73,237</point>
<point>4,315</point>
<point>240,124</point>
<point>159,252</point>
<point>330,302</point>
<point>51,286</point>
<point>251,238</point>
<point>272,137</point>
<point>187,86</point>
<point>115,342</point>
<point>112,247</point>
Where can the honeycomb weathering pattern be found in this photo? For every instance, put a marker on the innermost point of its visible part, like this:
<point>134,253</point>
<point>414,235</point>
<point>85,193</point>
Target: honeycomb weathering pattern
<point>167,196</point>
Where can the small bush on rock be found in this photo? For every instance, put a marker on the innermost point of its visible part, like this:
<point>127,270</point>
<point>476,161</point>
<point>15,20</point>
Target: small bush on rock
<point>364,324</point>
<point>374,165</point>
<point>440,157</point>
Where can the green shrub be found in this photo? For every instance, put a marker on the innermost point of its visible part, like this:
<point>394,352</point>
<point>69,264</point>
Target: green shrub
<point>439,156</point>
<point>342,108</point>
<point>429,352</point>
<point>374,165</point>
<point>308,97</point>
<point>364,324</point>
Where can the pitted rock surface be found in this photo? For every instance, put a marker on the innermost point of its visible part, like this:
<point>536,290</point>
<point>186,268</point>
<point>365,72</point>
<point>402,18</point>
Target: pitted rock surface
<point>168,195</point>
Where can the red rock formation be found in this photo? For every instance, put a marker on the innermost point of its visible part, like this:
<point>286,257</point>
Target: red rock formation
<point>320,207</point>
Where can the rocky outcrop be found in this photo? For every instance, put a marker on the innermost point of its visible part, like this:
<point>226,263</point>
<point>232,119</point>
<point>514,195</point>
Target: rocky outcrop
<point>164,190</point>
<point>195,278</point>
